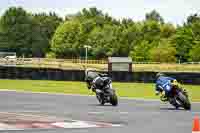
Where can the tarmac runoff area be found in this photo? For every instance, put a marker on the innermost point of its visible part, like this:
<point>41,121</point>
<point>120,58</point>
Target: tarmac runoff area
<point>49,113</point>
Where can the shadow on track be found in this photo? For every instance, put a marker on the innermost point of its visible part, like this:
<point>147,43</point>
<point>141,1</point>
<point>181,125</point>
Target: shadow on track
<point>172,108</point>
<point>101,105</point>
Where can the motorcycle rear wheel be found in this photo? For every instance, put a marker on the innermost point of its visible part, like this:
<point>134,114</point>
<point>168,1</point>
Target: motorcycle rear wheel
<point>114,100</point>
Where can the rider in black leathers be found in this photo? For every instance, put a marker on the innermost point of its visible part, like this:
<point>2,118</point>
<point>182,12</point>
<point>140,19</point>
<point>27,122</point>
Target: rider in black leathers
<point>94,79</point>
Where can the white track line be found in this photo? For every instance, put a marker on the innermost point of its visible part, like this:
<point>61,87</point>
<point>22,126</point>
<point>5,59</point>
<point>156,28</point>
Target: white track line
<point>82,95</point>
<point>196,112</point>
<point>98,113</point>
<point>78,124</point>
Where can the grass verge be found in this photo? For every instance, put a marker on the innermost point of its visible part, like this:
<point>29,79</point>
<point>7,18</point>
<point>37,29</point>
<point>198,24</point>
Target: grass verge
<point>135,90</point>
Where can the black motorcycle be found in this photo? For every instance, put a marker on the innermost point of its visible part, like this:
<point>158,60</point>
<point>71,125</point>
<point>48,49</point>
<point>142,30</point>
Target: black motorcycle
<point>105,93</point>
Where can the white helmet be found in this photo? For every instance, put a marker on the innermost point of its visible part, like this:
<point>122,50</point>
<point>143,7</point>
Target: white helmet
<point>89,70</point>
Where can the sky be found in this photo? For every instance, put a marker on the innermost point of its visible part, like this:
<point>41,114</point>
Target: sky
<point>173,11</point>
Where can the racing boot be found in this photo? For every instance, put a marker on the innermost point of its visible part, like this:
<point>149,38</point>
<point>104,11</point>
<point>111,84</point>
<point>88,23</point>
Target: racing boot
<point>185,92</point>
<point>164,98</point>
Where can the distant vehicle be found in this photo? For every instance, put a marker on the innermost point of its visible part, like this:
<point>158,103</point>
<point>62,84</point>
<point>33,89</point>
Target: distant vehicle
<point>11,58</point>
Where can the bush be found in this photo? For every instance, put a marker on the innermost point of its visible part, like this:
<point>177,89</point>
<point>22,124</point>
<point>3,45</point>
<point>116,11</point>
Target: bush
<point>163,53</point>
<point>50,55</point>
<point>194,53</point>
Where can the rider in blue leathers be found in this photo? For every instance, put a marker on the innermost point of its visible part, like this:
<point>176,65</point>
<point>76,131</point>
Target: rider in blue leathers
<point>162,84</point>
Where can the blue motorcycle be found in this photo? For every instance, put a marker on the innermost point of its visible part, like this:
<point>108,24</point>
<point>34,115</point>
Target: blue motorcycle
<point>176,96</point>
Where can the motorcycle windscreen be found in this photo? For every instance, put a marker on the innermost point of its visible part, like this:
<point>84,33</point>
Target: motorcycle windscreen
<point>167,87</point>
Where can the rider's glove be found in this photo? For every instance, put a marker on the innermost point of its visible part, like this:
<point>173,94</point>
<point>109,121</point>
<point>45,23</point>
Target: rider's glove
<point>163,93</point>
<point>88,86</point>
<point>163,97</point>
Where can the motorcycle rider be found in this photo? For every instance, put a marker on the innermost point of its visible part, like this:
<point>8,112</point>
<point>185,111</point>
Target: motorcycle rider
<point>161,79</point>
<point>94,79</point>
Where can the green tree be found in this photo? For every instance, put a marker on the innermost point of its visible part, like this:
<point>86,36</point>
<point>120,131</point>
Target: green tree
<point>193,19</point>
<point>45,34</point>
<point>4,46</point>
<point>194,53</point>
<point>27,34</point>
<point>46,25</point>
<point>165,52</point>
<point>154,16</point>
<point>151,31</point>
<point>184,41</point>
<point>91,27</point>
<point>16,23</point>
<point>141,52</point>
<point>167,30</point>
<point>104,41</point>
<point>65,42</point>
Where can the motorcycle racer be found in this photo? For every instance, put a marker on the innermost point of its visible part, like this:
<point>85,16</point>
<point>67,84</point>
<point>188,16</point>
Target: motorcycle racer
<point>94,79</point>
<point>161,87</point>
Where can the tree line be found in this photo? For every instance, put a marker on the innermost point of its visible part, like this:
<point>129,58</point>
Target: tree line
<point>48,35</point>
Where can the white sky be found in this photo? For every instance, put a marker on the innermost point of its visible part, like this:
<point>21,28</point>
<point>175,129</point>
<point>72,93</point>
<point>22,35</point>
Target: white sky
<point>174,11</point>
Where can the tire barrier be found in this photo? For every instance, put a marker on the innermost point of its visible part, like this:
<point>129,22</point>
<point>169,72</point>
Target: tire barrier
<point>11,72</point>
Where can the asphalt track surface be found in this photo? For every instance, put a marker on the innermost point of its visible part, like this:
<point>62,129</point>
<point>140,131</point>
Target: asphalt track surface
<point>135,116</point>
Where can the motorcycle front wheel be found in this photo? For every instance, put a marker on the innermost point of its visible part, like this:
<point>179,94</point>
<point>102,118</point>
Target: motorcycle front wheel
<point>100,99</point>
<point>114,100</point>
<point>184,101</point>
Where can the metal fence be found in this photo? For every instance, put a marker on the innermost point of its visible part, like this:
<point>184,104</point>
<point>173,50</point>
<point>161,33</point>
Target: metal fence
<point>52,63</point>
<point>19,61</point>
<point>78,64</point>
<point>43,60</point>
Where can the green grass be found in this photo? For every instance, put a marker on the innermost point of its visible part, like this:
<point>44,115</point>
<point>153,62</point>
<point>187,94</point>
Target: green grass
<point>136,90</point>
